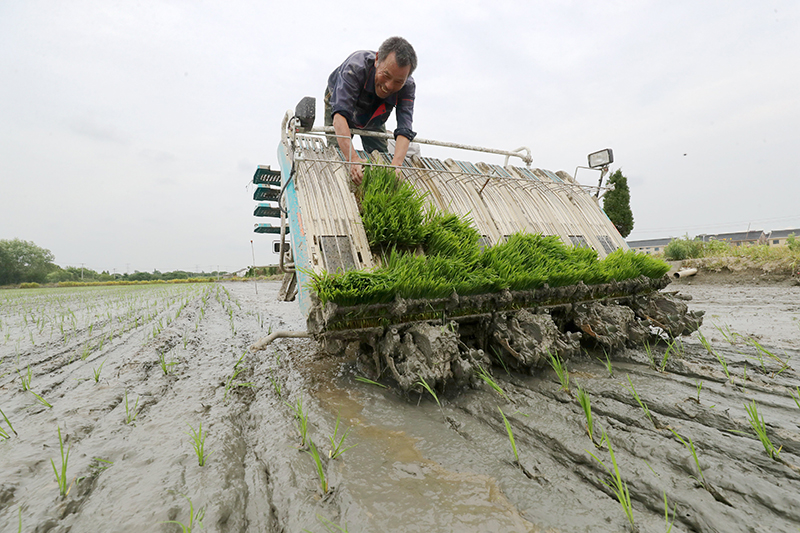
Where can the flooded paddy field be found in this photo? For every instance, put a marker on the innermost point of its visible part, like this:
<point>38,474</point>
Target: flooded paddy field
<point>127,375</point>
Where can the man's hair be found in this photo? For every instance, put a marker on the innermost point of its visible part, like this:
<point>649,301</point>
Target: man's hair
<point>404,53</point>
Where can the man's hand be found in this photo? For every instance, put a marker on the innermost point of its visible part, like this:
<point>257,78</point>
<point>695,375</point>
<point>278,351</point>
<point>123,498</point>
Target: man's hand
<point>356,170</point>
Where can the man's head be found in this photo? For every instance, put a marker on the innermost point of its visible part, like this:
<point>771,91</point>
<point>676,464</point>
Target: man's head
<point>394,63</point>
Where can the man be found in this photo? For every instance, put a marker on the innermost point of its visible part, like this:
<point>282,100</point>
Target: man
<point>361,94</point>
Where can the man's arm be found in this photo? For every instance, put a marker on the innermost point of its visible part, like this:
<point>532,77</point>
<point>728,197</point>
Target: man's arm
<point>342,130</point>
<point>401,144</point>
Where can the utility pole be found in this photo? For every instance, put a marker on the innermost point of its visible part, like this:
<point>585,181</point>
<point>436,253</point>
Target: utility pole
<point>82,271</point>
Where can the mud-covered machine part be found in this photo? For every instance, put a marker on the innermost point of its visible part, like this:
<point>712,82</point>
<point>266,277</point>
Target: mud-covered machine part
<point>443,340</point>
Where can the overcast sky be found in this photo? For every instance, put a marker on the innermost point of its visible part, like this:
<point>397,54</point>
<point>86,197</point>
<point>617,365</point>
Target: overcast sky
<point>129,131</point>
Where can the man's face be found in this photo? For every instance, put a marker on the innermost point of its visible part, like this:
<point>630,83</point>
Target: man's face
<point>389,76</point>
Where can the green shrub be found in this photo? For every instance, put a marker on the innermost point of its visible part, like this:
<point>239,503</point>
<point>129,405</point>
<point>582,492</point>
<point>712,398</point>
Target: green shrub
<point>684,248</point>
<point>31,285</point>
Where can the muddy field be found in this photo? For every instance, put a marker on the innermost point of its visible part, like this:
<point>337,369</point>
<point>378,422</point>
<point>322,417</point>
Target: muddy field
<point>172,353</point>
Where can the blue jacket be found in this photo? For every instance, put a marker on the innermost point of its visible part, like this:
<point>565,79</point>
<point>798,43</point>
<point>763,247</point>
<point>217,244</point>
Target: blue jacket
<point>352,95</point>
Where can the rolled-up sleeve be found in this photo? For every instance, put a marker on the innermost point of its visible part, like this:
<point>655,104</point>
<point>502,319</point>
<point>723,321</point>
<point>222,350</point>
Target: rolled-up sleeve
<point>405,110</point>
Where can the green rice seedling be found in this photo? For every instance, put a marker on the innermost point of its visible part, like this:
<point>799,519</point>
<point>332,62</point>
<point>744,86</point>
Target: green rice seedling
<point>41,400</point>
<point>337,443</point>
<point>796,398</point>
<point>131,412</point>
<point>586,404</point>
<point>428,388</point>
<point>96,371</point>
<point>25,379</point>
<point>370,382</point>
<point>669,523</point>
<point>761,350</point>
<point>301,419</point>
<point>485,376</point>
<point>607,363</point>
<point>86,352</point>
<point>166,367</point>
<point>312,451</point>
<point>329,526</point>
<point>760,429</point>
<point>650,356</point>
<point>230,383</point>
<point>665,357</point>
<point>9,424</point>
<point>721,358</point>
<point>510,436</point>
<point>727,334</point>
<point>639,401</point>
<point>561,370</point>
<point>276,385</point>
<point>699,386</point>
<point>199,443</point>
<point>617,485</point>
<point>198,517</point>
<point>690,446</point>
<point>61,478</point>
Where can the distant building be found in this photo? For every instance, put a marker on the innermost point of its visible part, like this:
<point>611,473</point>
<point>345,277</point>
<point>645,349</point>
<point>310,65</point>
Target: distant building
<point>738,238</point>
<point>650,246</point>
<point>779,237</point>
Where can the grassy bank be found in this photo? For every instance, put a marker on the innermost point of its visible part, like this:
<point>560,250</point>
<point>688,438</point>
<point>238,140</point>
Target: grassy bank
<point>719,256</point>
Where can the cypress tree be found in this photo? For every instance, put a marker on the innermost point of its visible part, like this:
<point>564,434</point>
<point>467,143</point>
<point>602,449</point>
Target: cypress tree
<point>617,204</point>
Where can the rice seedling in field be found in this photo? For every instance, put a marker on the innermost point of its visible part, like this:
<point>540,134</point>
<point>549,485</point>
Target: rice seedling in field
<point>560,368</point>
<point>671,347</point>
<point>230,383</point>
<point>796,398</point>
<point>699,386</point>
<point>669,522</point>
<point>727,334</point>
<point>761,350</point>
<point>721,358</point>
<point>198,517</point>
<point>337,443</point>
<point>485,376</point>
<point>648,350</point>
<point>586,404</point>
<point>131,412</point>
<point>329,526</point>
<point>312,451</point>
<point>199,443</point>
<point>370,382</point>
<point>61,478</point>
<point>510,436</point>
<point>301,419</point>
<point>690,446</point>
<point>760,429</point>
<point>276,385</point>
<point>25,379</point>
<point>617,485</point>
<point>639,401</point>
<point>608,365</point>
<point>96,371</point>
<point>3,433</point>
<point>166,367</point>
<point>41,400</point>
<point>424,384</point>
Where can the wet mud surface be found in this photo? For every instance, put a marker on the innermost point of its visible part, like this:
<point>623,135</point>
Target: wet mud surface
<point>415,466</point>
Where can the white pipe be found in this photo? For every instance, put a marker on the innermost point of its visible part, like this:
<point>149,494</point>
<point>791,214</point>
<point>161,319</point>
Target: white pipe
<point>685,273</point>
<point>262,344</point>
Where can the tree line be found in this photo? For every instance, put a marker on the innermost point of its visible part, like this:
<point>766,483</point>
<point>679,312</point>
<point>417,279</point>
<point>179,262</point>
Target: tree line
<point>25,262</point>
